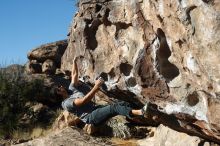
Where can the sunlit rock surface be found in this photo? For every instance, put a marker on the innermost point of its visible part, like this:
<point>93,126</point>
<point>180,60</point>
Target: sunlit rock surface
<point>163,136</point>
<point>46,58</point>
<point>67,137</point>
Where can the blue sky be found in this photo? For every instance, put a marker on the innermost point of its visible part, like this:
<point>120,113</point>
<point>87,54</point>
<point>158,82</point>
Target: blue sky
<point>26,24</point>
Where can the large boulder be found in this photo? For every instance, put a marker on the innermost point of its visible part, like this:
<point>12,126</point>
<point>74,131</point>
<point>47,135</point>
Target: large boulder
<point>32,67</point>
<point>166,52</point>
<point>164,136</point>
<point>46,58</point>
<point>48,67</point>
<point>53,51</point>
<point>67,137</point>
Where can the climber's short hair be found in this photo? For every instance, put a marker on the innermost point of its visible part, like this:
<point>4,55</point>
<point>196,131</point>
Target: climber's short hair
<point>54,90</point>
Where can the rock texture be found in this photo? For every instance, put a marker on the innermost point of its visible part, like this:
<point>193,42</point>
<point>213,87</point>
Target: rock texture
<point>163,136</point>
<point>67,137</point>
<point>44,64</point>
<point>46,58</point>
<point>166,52</point>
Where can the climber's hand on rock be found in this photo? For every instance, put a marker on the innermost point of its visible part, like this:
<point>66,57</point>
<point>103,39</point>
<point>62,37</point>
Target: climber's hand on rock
<point>75,59</point>
<point>99,82</point>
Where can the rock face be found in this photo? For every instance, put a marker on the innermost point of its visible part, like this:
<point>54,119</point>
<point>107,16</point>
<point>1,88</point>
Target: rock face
<point>46,58</point>
<point>163,136</point>
<point>44,64</point>
<point>66,137</point>
<point>166,52</point>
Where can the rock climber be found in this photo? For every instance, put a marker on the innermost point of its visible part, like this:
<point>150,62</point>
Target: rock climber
<point>77,100</point>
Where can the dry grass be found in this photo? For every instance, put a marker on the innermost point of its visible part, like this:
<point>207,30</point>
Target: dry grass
<point>123,142</point>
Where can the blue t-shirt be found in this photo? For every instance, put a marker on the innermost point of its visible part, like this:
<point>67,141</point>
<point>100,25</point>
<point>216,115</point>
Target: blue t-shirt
<point>78,91</point>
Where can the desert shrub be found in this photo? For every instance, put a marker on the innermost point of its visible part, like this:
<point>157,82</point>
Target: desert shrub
<point>14,93</point>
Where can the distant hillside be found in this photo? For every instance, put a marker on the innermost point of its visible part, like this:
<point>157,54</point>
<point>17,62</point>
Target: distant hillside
<point>12,68</point>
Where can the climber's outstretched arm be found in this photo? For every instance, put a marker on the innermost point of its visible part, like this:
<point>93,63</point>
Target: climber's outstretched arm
<point>74,73</point>
<point>88,97</point>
